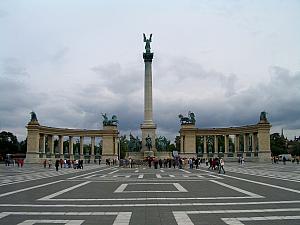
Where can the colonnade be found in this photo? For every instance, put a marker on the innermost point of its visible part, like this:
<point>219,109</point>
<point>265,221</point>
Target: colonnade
<point>36,142</point>
<point>255,141</point>
<point>50,151</point>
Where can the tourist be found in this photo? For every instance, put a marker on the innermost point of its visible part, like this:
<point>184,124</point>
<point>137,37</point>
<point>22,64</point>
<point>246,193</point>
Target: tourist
<point>284,160</point>
<point>243,161</point>
<point>160,162</point>
<point>45,163</point>
<point>197,163</point>
<point>206,162</point>
<point>61,161</point>
<point>221,165</point>
<point>57,164</point>
<point>49,163</point>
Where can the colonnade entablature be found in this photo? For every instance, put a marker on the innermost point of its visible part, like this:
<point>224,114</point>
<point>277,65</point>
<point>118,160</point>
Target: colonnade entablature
<point>250,141</point>
<point>40,142</point>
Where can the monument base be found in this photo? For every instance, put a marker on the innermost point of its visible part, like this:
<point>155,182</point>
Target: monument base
<point>148,154</point>
<point>148,129</point>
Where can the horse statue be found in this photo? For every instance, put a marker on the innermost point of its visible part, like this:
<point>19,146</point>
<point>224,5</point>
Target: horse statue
<point>105,119</point>
<point>112,122</point>
<point>162,143</point>
<point>190,119</point>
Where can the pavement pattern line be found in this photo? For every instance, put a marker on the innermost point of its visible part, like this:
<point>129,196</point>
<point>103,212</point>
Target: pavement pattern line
<point>237,221</point>
<point>264,184</point>
<point>147,199</point>
<point>64,191</point>
<point>182,217</point>
<point>65,222</point>
<point>122,218</point>
<point>82,175</point>
<point>29,188</point>
<point>237,189</point>
<point>122,187</point>
<point>150,204</point>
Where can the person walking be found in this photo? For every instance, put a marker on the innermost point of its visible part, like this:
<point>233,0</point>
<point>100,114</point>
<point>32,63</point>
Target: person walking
<point>221,165</point>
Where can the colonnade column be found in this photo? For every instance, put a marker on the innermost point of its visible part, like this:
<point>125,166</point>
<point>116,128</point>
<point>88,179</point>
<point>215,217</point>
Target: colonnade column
<point>216,144</point>
<point>254,142</point>
<point>61,144</point>
<point>205,145</point>
<point>50,144</point>
<point>92,148</point>
<point>42,143</point>
<point>246,142</point>
<point>81,147</point>
<point>226,142</point>
<point>71,152</point>
<point>237,143</point>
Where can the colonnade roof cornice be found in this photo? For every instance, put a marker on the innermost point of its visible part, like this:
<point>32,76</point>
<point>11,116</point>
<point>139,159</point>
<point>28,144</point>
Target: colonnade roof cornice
<point>76,132</point>
<point>226,130</point>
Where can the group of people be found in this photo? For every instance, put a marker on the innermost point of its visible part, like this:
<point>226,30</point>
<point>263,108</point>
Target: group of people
<point>19,162</point>
<point>216,164</point>
<point>66,163</point>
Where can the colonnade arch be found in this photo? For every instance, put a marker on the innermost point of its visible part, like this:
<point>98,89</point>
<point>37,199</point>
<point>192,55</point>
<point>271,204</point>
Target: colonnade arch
<point>251,141</point>
<point>50,142</point>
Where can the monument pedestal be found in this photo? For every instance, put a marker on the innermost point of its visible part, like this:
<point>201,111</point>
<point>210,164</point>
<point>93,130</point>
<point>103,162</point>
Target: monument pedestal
<point>148,154</point>
<point>148,129</point>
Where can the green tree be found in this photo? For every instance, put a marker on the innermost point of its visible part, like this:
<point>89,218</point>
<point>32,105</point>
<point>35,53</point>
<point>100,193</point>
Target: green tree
<point>23,146</point>
<point>123,146</point>
<point>278,144</point>
<point>296,148</point>
<point>8,143</point>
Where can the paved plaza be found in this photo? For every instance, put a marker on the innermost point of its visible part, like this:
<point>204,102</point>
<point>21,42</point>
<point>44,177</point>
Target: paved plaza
<point>251,195</point>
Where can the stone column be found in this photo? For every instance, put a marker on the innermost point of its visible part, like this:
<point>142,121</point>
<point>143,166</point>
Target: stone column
<point>32,154</point>
<point>205,145</point>
<point>189,144</point>
<point>246,142</point>
<point>71,151</point>
<point>264,150</point>
<point>237,143</point>
<point>92,149</point>
<point>216,144</point>
<point>81,147</point>
<point>51,144</point>
<point>109,143</point>
<point>61,145</point>
<point>254,142</point>
<point>226,143</point>
<point>148,127</point>
<point>42,143</point>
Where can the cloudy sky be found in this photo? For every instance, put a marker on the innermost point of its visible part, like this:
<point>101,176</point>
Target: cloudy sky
<point>70,60</point>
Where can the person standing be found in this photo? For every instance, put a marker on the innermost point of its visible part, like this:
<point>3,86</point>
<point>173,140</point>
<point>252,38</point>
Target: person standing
<point>284,160</point>
<point>45,163</point>
<point>57,164</point>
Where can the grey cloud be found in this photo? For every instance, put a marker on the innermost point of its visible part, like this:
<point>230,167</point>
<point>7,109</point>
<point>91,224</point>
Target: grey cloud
<point>60,55</point>
<point>120,80</point>
<point>11,67</point>
<point>83,107</point>
<point>3,13</point>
